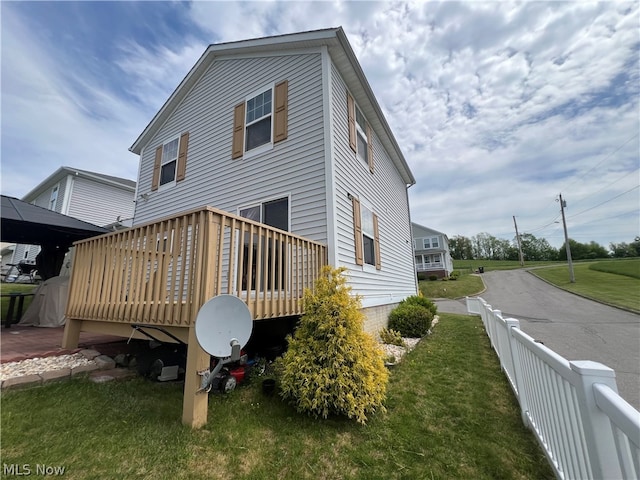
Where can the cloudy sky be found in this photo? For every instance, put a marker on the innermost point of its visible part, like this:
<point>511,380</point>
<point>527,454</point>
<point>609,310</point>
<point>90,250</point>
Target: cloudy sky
<point>498,107</point>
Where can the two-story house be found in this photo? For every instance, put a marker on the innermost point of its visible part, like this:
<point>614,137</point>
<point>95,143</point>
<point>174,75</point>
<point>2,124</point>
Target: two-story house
<point>88,196</point>
<point>286,130</point>
<point>270,159</point>
<point>431,250</point>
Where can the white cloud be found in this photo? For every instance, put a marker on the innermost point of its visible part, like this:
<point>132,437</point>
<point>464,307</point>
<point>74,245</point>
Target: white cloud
<point>497,106</point>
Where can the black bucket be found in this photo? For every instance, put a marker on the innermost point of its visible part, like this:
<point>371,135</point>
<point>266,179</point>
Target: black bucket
<point>268,386</point>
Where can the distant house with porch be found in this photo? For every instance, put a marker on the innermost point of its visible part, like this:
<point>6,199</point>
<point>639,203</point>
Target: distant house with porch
<point>431,250</point>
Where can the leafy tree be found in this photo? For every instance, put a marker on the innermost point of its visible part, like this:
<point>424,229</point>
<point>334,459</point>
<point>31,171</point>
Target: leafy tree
<point>332,366</point>
<point>460,248</point>
<point>622,250</point>
<point>582,251</point>
<point>536,249</point>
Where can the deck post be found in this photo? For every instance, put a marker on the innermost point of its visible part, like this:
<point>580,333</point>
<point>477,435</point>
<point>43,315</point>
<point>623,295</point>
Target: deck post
<point>71,335</point>
<point>194,405</point>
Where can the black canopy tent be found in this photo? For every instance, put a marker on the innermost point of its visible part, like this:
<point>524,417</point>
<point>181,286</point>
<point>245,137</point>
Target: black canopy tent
<point>29,224</point>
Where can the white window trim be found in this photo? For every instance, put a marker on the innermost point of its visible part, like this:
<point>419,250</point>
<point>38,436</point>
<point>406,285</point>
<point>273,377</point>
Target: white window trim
<point>366,267</point>
<point>267,146</point>
<point>171,184</point>
<point>53,198</point>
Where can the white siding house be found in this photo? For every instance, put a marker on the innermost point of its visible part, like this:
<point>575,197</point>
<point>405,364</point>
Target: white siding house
<point>88,196</point>
<point>431,249</point>
<point>286,130</point>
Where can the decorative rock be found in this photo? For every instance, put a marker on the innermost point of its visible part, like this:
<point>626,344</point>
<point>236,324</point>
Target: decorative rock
<point>103,376</point>
<point>23,381</point>
<point>89,353</point>
<point>55,375</point>
<point>34,366</point>
<point>104,362</point>
<point>84,368</point>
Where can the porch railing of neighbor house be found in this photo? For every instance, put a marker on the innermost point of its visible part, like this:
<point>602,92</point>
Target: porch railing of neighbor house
<point>161,273</point>
<point>585,428</point>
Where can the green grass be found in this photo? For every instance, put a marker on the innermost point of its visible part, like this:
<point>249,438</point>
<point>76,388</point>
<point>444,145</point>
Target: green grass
<point>450,414</point>
<point>629,268</point>
<point>465,285</point>
<point>611,288</point>
<point>469,266</point>
<point>6,288</point>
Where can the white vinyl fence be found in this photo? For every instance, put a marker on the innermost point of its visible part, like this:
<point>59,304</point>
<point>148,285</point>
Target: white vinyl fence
<point>585,428</point>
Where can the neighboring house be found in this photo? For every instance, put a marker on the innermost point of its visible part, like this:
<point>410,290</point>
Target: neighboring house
<point>286,130</point>
<point>92,197</point>
<point>431,250</point>
<point>6,257</point>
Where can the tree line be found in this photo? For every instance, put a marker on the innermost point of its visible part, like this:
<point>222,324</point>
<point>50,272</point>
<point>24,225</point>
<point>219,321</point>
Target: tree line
<point>485,246</point>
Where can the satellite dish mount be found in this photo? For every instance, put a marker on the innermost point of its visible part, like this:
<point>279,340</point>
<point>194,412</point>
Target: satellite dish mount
<point>223,327</point>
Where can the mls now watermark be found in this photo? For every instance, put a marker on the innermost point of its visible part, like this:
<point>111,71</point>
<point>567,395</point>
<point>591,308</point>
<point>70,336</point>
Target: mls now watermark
<point>27,469</point>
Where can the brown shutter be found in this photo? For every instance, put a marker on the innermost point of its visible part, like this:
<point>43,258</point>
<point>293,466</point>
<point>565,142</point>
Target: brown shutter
<point>281,105</point>
<point>370,148</point>
<point>182,156</point>
<point>351,108</point>
<point>237,148</point>
<point>156,169</point>
<point>357,231</point>
<point>376,241</point>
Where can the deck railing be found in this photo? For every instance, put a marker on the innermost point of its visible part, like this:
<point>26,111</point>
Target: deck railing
<point>161,273</point>
<point>585,428</point>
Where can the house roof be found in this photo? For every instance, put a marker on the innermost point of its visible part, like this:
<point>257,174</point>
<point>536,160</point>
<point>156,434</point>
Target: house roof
<point>343,57</point>
<point>24,223</point>
<point>436,232</point>
<point>62,172</point>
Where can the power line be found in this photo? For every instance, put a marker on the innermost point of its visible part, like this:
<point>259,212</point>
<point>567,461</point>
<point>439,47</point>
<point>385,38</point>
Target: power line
<point>608,185</point>
<point>602,203</point>
<point>603,160</point>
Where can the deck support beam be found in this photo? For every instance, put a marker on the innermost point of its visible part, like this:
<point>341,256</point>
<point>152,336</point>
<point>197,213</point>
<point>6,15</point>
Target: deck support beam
<point>194,405</point>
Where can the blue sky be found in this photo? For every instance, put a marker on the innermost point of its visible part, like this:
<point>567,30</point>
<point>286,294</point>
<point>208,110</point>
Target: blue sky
<point>498,107</point>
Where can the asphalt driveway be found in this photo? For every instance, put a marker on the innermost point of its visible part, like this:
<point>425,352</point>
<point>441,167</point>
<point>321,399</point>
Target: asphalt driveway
<point>574,327</point>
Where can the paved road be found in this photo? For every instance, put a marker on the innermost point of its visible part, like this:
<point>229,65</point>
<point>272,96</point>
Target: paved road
<point>574,327</point>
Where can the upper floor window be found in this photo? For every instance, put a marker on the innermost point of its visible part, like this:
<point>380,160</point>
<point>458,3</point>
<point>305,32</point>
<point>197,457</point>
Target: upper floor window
<point>53,198</point>
<point>170,162</point>
<point>360,135</point>
<point>258,120</point>
<point>431,242</point>
<point>261,120</point>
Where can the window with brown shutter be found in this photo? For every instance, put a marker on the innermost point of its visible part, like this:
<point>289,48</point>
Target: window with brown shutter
<point>366,235</point>
<point>261,120</point>
<point>170,163</point>
<point>357,231</point>
<point>281,114</point>
<point>360,134</point>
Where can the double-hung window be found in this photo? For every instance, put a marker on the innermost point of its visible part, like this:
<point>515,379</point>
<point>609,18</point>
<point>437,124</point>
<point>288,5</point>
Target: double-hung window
<point>261,120</point>
<point>169,162</point>
<point>360,135</point>
<point>259,111</point>
<point>366,235</point>
<point>53,199</point>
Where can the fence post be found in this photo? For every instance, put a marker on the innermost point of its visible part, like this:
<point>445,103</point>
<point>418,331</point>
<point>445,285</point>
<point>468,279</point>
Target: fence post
<point>597,426</point>
<point>521,393</point>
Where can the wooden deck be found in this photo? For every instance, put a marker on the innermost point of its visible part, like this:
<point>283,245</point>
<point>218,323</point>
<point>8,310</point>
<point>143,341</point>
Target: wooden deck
<point>161,274</point>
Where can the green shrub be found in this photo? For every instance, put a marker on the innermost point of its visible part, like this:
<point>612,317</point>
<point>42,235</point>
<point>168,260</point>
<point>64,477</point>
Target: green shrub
<point>391,337</point>
<point>422,302</point>
<point>454,275</point>
<point>332,366</point>
<point>433,278</point>
<point>411,321</point>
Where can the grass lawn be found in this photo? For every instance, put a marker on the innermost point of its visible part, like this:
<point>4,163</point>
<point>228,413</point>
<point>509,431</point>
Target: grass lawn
<point>469,266</point>
<point>451,414</point>
<point>6,288</point>
<point>618,289</point>
<point>465,285</point>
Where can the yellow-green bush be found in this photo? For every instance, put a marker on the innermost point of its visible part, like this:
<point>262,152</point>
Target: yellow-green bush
<point>391,337</point>
<point>332,366</point>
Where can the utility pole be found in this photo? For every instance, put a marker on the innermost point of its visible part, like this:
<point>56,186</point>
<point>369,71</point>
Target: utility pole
<point>518,240</point>
<point>563,204</point>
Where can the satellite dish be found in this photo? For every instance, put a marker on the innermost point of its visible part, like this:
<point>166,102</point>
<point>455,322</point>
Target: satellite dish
<point>223,320</point>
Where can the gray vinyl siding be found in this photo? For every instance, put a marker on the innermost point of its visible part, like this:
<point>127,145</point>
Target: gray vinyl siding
<point>98,203</point>
<point>293,167</point>
<point>385,191</point>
